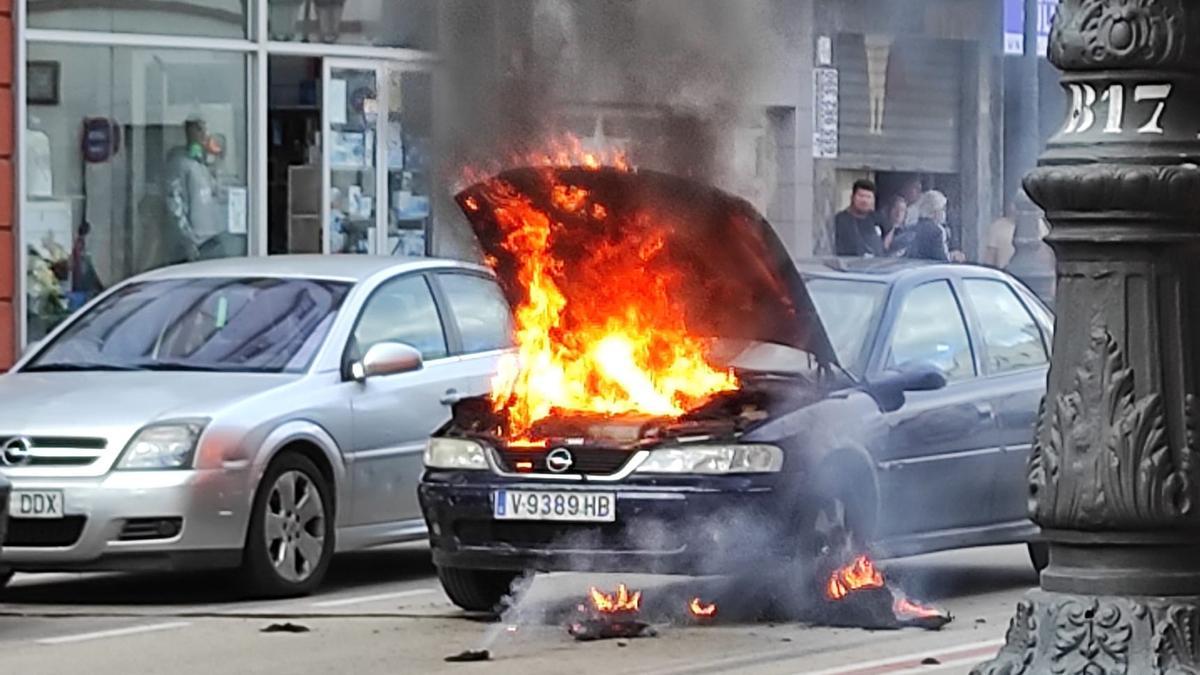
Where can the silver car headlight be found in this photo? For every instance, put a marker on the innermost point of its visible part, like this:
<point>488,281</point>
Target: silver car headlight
<point>455,453</point>
<point>714,459</point>
<point>164,445</point>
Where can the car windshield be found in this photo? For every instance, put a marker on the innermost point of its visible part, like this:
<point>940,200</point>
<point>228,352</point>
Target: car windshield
<point>850,310</point>
<point>259,325</point>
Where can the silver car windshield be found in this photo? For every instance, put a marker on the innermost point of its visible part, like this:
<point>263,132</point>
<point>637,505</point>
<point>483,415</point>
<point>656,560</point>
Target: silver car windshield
<point>259,325</point>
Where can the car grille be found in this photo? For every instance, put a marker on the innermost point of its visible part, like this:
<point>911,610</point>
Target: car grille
<point>559,536</point>
<point>62,450</point>
<point>37,532</point>
<point>145,529</point>
<point>590,461</point>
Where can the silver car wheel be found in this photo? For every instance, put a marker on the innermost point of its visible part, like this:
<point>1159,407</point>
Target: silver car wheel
<point>295,526</point>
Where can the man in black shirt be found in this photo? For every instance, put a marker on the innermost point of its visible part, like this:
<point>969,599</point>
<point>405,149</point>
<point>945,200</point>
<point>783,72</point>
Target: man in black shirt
<point>856,231</point>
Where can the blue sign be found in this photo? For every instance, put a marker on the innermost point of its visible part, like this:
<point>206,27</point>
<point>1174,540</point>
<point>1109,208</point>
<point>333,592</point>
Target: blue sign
<point>1014,25</point>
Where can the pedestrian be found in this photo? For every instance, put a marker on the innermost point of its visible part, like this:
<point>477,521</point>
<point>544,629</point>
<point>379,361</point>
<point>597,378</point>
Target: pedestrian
<point>911,190</point>
<point>1001,234</point>
<point>856,230</point>
<point>192,189</point>
<point>927,239</point>
<point>999,243</point>
<point>895,215</point>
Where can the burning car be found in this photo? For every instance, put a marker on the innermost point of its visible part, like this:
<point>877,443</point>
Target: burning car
<point>676,404</point>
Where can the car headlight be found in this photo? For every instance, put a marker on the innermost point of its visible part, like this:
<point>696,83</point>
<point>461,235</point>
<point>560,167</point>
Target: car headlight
<point>167,445</point>
<point>714,459</point>
<point>455,453</point>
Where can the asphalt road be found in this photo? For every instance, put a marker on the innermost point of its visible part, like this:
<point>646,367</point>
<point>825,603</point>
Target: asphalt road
<point>383,612</point>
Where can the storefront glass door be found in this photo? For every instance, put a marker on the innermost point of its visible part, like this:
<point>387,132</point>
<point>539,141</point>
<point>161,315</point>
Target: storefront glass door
<point>409,138</point>
<point>353,183</point>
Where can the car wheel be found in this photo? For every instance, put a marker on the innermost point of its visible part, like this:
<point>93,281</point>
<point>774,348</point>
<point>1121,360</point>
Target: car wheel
<point>840,528</point>
<point>290,541</point>
<point>476,590</point>
<point>1039,554</point>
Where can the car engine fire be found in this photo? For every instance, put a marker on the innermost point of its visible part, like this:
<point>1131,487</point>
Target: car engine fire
<point>599,329</point>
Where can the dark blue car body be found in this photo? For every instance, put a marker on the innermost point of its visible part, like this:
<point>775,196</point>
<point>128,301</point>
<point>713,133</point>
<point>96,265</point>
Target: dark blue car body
<point>945,469</point>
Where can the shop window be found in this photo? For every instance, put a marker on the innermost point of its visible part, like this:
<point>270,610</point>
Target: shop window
<point>378,23</point>
<point>202,18</point>
<point>139,161</point>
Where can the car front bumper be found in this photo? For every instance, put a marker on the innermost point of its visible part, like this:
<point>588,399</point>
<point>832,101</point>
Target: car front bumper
<point>104,522</point>
<point>694,525</point>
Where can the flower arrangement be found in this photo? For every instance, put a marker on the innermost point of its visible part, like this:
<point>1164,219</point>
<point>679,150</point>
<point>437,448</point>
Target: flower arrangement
<point>49,266</point>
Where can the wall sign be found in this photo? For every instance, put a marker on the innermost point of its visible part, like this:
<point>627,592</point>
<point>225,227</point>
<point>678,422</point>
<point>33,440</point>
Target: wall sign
<point>1014,25</point>
<point>825,113</point>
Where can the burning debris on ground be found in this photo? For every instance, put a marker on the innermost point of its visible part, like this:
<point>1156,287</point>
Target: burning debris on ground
<point>610,616</point>
<point>857,595</point>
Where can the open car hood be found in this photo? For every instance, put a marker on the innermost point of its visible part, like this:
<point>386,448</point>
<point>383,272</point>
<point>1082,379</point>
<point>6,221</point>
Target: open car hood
<point>737,280</point>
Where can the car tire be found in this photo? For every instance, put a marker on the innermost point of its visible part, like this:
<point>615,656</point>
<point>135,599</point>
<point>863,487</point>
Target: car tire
<point>1039,555</point>
<point>290,540</point>
<point>476,590</point>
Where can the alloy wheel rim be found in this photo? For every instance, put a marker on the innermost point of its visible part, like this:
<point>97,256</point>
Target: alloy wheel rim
<point>295,526</point>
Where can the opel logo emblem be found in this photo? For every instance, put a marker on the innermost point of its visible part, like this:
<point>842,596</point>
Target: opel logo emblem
<point>17,452</point>
<point>559,460</point>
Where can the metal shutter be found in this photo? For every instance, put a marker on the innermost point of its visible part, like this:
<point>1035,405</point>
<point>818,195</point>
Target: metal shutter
<point>921,113</point>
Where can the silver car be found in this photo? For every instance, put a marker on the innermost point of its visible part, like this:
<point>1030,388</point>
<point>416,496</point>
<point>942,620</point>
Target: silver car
<point>258,413</point>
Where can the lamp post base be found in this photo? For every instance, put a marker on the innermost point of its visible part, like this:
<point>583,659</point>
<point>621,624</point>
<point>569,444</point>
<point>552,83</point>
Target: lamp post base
<point>1100,635</point>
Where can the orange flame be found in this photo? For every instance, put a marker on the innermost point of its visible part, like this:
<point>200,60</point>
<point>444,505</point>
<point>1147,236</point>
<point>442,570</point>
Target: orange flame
<point>621,601</point>
<point>903,607</point>
<point>858,575</point>
<point>701,609</point>
<point>616,344</point>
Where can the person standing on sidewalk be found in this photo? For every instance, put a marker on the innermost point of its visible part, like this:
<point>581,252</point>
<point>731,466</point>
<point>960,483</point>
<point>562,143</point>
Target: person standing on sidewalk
<point>856,230</point>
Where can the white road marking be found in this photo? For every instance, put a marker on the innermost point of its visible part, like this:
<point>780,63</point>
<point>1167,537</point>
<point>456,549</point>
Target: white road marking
<point>362,599</point>
<point>116,632</point>
<point>902,661</point>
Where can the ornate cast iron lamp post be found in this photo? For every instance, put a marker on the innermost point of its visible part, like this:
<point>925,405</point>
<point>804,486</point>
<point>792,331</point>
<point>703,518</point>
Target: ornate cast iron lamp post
<point>1113,478</point>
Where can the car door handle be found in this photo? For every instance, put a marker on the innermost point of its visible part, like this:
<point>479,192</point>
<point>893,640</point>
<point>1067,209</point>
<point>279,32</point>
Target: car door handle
<point>452,396</point>
<point>985,410</point>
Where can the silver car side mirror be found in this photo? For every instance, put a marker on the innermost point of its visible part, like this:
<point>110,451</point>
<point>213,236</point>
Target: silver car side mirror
<point>387,358</point>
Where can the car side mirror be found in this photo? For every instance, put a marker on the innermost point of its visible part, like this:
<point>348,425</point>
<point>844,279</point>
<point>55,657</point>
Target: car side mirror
<point>387,358</point>
<point>889,390</point>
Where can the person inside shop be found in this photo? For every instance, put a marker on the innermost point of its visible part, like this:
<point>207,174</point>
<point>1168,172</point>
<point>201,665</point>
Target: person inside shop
<point>911,191</point>
<point>895,215</point>
<point>856,230</point>
<point>928,238</point>
<point>192,195</point>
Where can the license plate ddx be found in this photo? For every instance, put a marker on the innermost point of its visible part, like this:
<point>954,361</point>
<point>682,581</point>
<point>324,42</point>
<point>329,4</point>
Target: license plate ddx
<point>579,507</point>
<point>36,504</point>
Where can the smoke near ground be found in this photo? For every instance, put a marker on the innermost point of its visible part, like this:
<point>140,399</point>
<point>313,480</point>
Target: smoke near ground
<point>672,77</point>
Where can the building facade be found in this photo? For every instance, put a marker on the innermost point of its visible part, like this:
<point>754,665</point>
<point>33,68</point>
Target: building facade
<point>153,132</point>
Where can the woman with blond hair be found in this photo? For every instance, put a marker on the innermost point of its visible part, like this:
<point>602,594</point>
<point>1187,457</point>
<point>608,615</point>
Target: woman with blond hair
<point>927,238</point>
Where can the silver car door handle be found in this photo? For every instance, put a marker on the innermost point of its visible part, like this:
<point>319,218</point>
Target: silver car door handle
<point>985,410</point>
<point>452,396</point>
